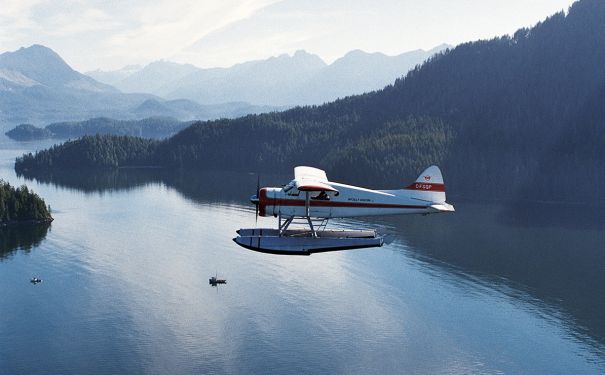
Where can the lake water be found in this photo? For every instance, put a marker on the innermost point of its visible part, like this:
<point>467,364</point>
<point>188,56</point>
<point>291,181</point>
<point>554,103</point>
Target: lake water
<point>490,289</point>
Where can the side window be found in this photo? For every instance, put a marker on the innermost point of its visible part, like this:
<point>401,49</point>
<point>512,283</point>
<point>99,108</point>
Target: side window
<point>322,196</point>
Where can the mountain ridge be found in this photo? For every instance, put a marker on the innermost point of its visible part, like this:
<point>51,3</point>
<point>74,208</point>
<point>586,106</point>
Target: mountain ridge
<point>37,86</point>
<point>44,66</point>
<point>282,80</point>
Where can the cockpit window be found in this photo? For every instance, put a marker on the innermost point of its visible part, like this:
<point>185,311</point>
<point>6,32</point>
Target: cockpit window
<point>290,189</point>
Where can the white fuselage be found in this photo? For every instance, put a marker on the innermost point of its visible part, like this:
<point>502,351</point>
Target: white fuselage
<point>349,201</point>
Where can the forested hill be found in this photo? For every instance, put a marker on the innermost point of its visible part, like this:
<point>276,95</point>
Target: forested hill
<point>518,116</point>
<point>19,205</point>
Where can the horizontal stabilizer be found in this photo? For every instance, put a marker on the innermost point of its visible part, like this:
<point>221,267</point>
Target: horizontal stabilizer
<point>443,207</point>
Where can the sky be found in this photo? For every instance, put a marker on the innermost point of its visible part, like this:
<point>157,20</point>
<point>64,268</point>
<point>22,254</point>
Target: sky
<point>109,34</point>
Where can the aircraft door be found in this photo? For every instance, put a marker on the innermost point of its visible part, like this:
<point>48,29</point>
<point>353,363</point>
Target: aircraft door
<point>320,204</point>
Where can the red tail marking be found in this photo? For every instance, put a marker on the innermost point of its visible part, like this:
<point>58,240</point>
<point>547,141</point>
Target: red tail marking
<point>426,187</point>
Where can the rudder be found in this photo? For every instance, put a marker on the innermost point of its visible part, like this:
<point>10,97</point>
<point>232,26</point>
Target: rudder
<point>429,185</point>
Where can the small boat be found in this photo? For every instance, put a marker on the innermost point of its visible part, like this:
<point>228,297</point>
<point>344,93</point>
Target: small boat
<point>35,280</point>
<point>214,281</point>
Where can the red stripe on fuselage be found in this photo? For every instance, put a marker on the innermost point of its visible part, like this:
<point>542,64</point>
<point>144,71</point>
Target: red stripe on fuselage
<point>265,201</point>
<point>301,203</point>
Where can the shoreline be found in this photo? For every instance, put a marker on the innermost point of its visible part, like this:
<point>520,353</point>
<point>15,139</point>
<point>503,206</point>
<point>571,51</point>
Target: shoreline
<point>16,223</point>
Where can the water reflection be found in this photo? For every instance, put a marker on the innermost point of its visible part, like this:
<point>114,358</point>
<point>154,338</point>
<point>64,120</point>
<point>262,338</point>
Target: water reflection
<point>98,181</point>
<point>548,256</point>
<point>547,215</point>
<point>21,238</point>
<point>200,186</point>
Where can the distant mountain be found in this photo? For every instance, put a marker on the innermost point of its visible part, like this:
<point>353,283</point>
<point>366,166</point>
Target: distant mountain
<point>358,72</point>
<point>189,110</point>
<point>302,78</point>
<point>517,117</point>
<point>154,76</point>
<point>37,86</point>
<point>39,65</point>
<point>114,76</point>
<point>275,81</point>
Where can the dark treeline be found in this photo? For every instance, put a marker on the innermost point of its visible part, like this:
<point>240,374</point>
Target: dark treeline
<point>99,151</point>
<point>515,117</point>
<point>152,127</point>
<point>19,205</point>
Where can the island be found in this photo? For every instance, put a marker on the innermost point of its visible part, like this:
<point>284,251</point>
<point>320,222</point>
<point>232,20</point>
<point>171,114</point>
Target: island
<point>28,132</point>
<point>152,127</point>
<point>20,206</point>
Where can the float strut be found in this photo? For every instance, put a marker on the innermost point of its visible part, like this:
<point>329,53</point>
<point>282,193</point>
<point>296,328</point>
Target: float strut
<point>307,204</point>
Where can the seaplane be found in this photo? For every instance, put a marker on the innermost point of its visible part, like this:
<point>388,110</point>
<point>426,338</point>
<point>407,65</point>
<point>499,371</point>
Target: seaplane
<point>311,200</point>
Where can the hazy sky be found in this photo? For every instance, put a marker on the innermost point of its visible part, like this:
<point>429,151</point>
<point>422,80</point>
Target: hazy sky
<point>109,34</point>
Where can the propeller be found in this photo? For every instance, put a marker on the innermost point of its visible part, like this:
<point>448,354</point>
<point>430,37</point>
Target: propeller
<point>255,198</point>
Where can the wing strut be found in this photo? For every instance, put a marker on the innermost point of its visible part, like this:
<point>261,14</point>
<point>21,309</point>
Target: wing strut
<point>283,227</point>
<point>307,203</point>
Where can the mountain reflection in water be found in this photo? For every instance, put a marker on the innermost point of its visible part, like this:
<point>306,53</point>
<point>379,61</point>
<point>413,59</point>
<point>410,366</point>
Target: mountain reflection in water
<point>546,254</point>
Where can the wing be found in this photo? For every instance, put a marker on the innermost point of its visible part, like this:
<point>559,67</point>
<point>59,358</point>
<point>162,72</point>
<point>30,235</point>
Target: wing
<point>311,179</point>
<point>305,185</point>
<point>310,173</point>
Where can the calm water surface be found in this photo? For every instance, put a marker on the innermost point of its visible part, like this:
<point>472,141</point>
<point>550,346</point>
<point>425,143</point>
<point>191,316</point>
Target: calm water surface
<point>126,262</point>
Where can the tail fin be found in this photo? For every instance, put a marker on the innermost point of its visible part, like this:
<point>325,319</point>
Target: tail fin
<point>429,181</point>
<point>429,187</point>
<point>431,176</point>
